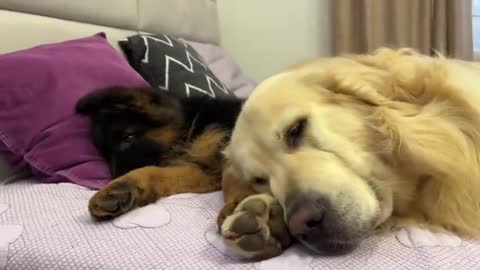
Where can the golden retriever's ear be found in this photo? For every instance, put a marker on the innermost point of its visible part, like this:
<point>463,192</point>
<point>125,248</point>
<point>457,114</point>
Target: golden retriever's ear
<point>347,77</point>
<point>407,76</point>
<point>384,78</point>
<point>361,85</point>
<point>417,113</point>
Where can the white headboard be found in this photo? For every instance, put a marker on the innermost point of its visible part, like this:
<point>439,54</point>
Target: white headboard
<point>26,23</point>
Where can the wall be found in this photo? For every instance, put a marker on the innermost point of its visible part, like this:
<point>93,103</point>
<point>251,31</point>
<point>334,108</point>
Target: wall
<point>266,36</point>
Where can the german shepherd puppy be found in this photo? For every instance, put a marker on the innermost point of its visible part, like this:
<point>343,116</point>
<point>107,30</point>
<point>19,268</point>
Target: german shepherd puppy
<point>156,144</point>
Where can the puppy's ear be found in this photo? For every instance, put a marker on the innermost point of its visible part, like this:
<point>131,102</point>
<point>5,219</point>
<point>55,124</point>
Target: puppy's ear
<point>158,107</point>
<point>112,98</point>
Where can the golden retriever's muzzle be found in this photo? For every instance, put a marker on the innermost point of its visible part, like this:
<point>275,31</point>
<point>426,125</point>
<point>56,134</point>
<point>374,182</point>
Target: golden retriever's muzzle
<point>315,223</point>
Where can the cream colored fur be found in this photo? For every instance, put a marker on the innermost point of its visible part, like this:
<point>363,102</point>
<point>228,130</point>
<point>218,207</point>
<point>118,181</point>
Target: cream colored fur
<point>392,138</point>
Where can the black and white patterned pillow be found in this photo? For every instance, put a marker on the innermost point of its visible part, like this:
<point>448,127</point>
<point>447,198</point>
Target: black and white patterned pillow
<point>171,64</point>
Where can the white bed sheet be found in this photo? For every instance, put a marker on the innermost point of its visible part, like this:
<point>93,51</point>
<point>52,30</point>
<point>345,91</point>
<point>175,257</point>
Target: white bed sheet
<point>47,226</point>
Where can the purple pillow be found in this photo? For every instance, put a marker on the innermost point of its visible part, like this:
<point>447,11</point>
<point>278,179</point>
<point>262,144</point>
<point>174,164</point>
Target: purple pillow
<point>38,91</point>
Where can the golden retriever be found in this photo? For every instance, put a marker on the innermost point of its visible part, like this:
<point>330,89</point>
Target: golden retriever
<point>349,145</point>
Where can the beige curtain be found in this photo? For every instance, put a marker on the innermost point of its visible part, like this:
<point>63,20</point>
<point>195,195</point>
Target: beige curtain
<point>361,26</point>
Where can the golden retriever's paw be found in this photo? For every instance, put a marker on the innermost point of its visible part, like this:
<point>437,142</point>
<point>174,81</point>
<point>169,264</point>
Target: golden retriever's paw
<point>256,228</point>
<point>119,197</point>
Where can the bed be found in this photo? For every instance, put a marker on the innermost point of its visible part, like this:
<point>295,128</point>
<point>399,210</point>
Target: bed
<point>47,226</point>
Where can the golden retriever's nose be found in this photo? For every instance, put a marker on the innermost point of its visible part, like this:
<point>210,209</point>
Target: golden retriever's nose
<point>315,223</point>
<point>305,219</point>
<point>304,215</point>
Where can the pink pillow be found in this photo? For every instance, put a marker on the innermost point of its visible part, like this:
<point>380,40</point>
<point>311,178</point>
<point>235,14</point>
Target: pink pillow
<point>38,91</point>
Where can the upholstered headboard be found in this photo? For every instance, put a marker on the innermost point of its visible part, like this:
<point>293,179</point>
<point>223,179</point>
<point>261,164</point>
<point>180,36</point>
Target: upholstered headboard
<point>26,23</point>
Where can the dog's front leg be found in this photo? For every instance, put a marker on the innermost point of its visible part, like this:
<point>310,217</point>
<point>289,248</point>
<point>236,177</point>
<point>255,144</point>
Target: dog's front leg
<point>146,185</point>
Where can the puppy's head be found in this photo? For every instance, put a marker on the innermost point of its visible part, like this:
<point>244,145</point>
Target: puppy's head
<point>131,127</point>
<point>304,136</point>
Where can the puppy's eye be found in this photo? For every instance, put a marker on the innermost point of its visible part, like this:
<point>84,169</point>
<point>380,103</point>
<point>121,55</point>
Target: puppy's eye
<point>129,138</point>
<point>260,181</point>
<point>295,132</point>
<point>127,141</point>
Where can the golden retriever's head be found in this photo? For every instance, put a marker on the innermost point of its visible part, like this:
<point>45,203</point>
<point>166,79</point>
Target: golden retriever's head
<point>305,136</point>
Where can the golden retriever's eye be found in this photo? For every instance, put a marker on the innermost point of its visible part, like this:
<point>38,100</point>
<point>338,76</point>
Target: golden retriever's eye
<point>260,181</point>
<point>295,132</point>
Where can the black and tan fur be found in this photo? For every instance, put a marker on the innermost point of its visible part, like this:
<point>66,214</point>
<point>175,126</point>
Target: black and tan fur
<point>156,144</point>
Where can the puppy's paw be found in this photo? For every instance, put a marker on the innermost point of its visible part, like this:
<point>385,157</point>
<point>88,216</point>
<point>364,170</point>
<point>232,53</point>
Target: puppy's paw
<point>256,228</point>
<point>119,197</point>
